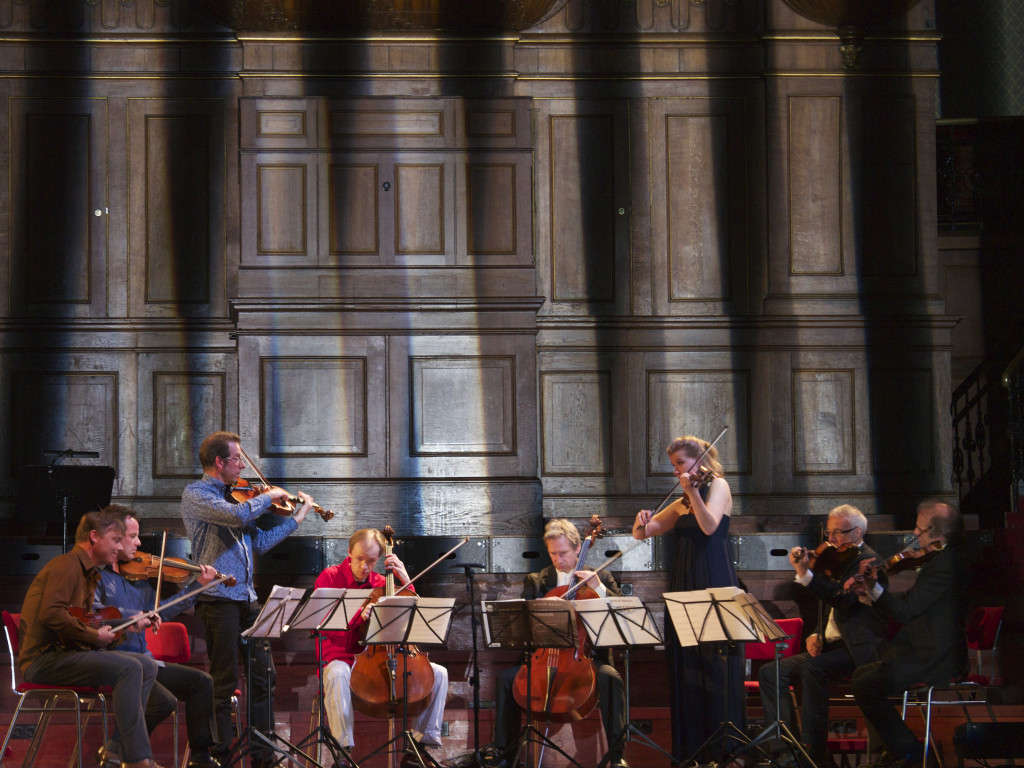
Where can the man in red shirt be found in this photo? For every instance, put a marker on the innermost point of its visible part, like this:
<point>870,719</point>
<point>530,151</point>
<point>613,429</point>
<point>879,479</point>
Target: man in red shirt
<point>340,648</point>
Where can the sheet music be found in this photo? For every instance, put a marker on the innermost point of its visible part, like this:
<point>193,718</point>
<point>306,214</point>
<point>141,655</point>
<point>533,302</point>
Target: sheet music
<point>280,605</point>
<point>529,623</point>
<point>635,621</point>
<point>410,619</point>
<point>710,615</point>
<point>316,608</point>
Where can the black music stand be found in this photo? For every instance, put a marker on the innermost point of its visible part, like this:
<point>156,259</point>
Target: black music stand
<point>404,620</point>
<point>269,624</point>
<point>528,625</point>
<point>720,615</point>
<point>325,609</point>
<point>621,622</point>
<point>55,493</point>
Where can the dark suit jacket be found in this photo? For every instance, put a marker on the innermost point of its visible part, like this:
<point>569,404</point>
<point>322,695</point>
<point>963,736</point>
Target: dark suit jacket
<point>931,647</point>
<point>863,629</point>
<point>536,585</point>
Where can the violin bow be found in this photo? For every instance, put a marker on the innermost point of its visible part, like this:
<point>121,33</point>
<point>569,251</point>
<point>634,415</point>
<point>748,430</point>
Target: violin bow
<point>160,572</point>
<point>445,556</point>
<point>173,601</point>
<point>696,464</point>
<point>621,553</point>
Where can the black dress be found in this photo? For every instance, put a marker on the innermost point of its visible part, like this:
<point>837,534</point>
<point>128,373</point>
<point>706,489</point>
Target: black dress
<point>698,694</point>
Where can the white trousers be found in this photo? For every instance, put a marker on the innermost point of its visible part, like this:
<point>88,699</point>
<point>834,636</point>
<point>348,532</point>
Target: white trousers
<point>425,726</point>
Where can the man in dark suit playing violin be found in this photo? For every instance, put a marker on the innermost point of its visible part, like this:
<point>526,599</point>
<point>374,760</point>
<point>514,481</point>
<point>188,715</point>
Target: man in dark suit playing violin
<point>931,647</point>
<point>59,648</point>
<point>563,544</point>
<point>849,633</point>
<point>174,682</point>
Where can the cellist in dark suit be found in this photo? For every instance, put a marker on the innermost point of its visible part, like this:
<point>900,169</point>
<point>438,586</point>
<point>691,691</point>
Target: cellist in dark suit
<point>848,636</point>
<point>931,646</point>
<point>563,544</point>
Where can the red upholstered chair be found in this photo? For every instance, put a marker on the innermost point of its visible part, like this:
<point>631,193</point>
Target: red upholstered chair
<point>170,644</point>
<point>68,698</point>
<point>765,651</point>
<point>983,629</point>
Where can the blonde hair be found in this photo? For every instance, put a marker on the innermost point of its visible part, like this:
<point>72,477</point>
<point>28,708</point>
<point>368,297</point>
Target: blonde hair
<point>693,447</point>
<point>561,527</point>
<point>365,536</point>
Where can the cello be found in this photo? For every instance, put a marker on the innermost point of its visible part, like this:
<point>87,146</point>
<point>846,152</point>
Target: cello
<point>560,684</point>
<point>379,689</point>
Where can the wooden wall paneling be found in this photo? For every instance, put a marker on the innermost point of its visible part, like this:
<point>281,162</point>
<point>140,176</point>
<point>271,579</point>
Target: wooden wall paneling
<point>178,182</point>
<point>78,400</point>
<point>888,168</point>
<point>279,209</point>
<point>495,223</point>
<point>281,123</point>
<point>463,406</point>
<point>59,230</point>
<point>314,406</point>
<point>582,199</point>
<point>700,156</point>
<point>353,223</point>
<point>390,123</point>
<point>498,123</point>
<point>422,193</point>
<point>824,410</point>
<point>183,398</point>
<point>903,400</point>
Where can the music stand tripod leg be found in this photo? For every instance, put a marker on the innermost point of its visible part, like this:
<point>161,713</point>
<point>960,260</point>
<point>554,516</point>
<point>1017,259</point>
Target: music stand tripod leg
<point>619,747</point>
<point>321,736</point>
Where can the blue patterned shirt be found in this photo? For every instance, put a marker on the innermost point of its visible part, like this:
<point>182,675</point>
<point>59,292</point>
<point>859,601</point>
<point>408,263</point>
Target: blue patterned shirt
<point>224,534</point>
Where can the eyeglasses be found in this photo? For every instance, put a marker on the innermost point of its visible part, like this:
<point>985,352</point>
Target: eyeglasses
<point>838,532</point>
<point>237,459</point>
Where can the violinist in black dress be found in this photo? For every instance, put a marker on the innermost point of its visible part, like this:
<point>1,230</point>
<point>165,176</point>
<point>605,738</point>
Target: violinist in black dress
<point>704,688</point>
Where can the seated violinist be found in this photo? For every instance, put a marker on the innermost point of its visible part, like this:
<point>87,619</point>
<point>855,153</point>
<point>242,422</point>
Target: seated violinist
<point>564,544</point>
<point>174,682</point>
<point>59,646</point>
<point>849,633</point>
<point>340,648</point>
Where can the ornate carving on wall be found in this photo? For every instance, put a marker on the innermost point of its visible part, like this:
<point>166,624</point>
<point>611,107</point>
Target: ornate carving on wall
<point>378,15</point>
<point>851,20</point>
<point>94,16</point>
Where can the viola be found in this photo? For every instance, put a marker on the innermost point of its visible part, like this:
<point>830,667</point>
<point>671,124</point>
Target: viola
<point>242,491</point>
<point>177,571</point>
<point>560,684</point>
<point>381,683</point>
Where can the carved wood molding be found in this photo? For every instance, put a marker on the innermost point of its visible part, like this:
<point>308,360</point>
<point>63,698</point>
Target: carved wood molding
<point>378,15</point>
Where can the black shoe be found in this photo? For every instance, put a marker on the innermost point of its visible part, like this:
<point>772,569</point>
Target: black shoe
<point>203,761</point>
<point>618,762</point>
<point>107,759</point>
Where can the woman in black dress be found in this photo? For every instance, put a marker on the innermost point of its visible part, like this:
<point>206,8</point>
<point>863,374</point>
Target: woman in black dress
<point>705,681</point>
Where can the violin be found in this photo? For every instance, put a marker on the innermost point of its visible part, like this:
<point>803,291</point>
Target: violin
<point>242,491</point>
<point>108,614</point>
<point>562,681</point>
<point>381,685</point>
<point>910,558</point>
<point>830,560</point>
<point>175,570</point>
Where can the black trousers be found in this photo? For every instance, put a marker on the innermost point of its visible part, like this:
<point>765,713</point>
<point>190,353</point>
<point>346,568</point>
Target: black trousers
<point>223,622</point>
<point>873,686</point>
<point>611,701</point>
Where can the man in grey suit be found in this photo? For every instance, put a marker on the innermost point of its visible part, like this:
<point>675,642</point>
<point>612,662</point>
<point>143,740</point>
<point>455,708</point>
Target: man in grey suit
<point>931,647</point>
<point>849,633</point>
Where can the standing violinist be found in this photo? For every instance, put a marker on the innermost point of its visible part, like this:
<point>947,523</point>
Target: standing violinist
<point>701,687</point>
<point>224,534</point>
<point>930,648</point>
<point>849,633</point>
<point>340,648</point>
<point>563,544</point>
<point>58,648</point>
<point>174,682</point>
